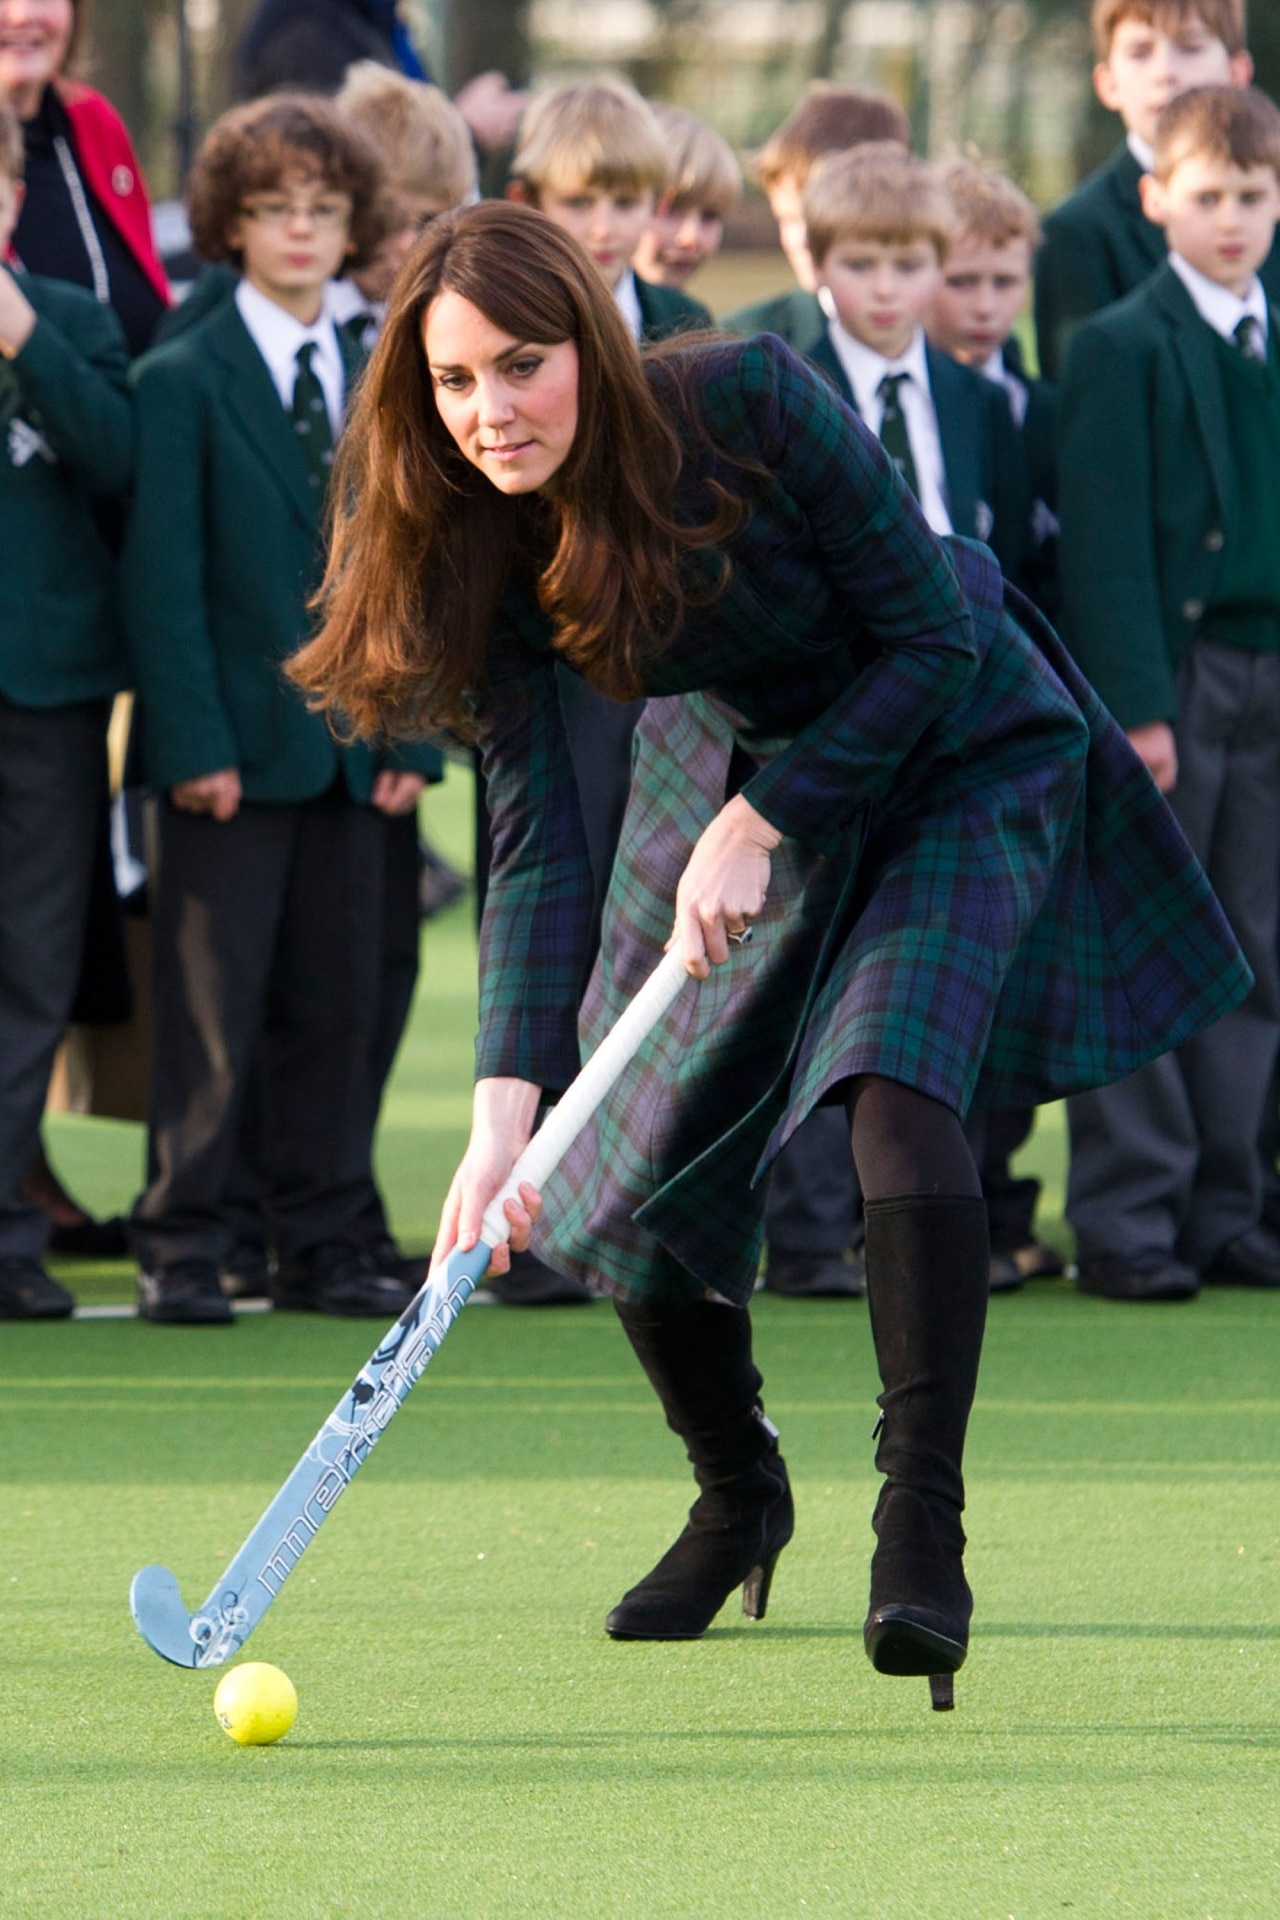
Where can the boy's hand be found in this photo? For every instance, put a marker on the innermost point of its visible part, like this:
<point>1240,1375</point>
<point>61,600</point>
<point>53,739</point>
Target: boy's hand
<point>17,316</point>
<point>1154,746</point>
<point>213,793</point>
<point>396,793</point>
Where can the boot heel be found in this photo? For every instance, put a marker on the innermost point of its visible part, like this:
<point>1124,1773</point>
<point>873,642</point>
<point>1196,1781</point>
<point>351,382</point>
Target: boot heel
<point>942,1692</point>
<point>755,1588</point>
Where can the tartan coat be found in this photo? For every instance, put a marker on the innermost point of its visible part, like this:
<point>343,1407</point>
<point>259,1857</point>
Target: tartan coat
<point>979,893</point>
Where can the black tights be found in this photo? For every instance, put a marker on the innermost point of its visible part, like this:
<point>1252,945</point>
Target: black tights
<point>906,1143</point>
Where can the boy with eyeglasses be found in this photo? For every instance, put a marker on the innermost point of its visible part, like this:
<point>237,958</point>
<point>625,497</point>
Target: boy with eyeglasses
<point>270,852</point>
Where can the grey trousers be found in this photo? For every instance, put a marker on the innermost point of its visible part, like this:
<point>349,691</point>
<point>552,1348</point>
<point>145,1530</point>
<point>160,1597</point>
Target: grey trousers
<point>814,1204</point>
<point>53,788</point>
<point>268,957</point>
<point>1167,1161</point>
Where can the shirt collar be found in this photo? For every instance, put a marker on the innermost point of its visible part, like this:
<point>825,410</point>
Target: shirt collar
<point>1217,306</point>
<point>627,295</point>
<point>1142,150</point>
<point>866,368</point>
<point>278,336</point>
<point>343,300</point>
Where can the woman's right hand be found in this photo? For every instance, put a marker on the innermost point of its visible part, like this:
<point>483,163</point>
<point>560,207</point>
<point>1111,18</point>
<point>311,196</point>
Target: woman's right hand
<point>501,1128</point>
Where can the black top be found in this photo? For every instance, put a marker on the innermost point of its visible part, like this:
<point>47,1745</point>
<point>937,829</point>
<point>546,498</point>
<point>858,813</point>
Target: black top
<point>48,238</point>
<point>310,44</point>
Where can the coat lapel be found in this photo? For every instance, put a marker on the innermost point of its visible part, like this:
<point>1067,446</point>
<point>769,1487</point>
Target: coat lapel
<point>1146,241</point>
<point>254,405</point>
<point>1194,347</point>
<point>822,355</point>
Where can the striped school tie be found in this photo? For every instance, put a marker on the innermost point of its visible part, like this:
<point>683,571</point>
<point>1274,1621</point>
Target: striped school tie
<point>893,429</point>
<point>311,419</point>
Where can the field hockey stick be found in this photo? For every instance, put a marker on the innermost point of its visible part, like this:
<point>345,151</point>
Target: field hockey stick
<point>348,1436</point>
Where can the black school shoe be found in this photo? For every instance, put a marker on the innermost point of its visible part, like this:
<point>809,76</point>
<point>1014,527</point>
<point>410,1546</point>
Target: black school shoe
<point>531,1283</point>
<point>342,1281</point>
<point>27,1292</point>
<point>1137,1276</point>
<point>186,1294</point>
<point>1250,1260</point>
<point>816,1276</point>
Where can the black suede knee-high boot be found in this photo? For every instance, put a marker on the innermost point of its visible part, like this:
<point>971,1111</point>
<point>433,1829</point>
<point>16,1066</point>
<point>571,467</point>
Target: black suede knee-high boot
<point>927,1284</point>
<point>698,1360</point>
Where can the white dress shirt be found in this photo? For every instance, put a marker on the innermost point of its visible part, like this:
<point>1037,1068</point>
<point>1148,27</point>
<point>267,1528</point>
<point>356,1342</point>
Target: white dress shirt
<point>865,369</point>
<point>628,299</point>
<point>1142,150</point>
<point>1019,394</point>
<point>344,302</point>
<point>1217,306</point>
<point>278,336</point>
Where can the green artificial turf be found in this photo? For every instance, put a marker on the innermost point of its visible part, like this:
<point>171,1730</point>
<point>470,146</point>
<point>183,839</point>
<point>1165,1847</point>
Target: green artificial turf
<point>469,1742</point>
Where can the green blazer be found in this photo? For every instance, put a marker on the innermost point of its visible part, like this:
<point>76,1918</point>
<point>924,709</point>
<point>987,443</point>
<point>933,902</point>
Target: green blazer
<point>795,317</point>
<point>212,285</point>
<point>66,441</point>
<point>985,474</point>
<point>1099,246</point>
<point>222,552</point>
<point>1147,492</point>
<point>666,310</point>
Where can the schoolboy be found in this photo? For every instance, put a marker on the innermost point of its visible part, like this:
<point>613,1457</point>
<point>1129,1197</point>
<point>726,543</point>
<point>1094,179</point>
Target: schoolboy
<point>428,164</point>
<point>66,448</point>
<point>704,186</point>
<point>1169,445</point>
<point>1099,244</point>
<point>828,119</point>
<point>879,225</point>
<point>269,843</point>
<point>592,157</point>
<point>984,288</point>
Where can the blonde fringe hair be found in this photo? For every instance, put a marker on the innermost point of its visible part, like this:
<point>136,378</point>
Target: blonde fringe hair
<point>703,174</point>
<point>1238,125</point>
<point>597,133</point>
<point>421,138</point>
<point>1224,19</point>
<point>877,192</point>
<point>989,206</point>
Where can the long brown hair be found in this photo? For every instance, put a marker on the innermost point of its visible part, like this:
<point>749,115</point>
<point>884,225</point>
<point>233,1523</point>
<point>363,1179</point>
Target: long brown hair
<point>423,546</point>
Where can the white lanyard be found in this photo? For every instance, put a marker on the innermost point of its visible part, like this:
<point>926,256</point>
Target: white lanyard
<point>84,220</point>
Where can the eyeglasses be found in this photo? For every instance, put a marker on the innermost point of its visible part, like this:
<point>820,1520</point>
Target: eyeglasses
<point>324,215</point>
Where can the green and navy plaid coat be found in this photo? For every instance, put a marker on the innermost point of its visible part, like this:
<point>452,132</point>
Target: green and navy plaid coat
<point>980,892</point>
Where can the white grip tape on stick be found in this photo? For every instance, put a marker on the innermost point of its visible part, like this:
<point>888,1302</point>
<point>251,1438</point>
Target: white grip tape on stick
<point>565,1122</point>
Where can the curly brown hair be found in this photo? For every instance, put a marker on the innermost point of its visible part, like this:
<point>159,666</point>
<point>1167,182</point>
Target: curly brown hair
<point>258,147</point>
<point>424,547</point>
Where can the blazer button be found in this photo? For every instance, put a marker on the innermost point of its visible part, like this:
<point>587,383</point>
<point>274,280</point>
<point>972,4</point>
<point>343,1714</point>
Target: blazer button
<point>1215,540</point>
<point>1192,609</point>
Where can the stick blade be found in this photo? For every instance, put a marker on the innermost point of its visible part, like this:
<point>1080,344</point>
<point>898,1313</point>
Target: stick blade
<point>155,1602</point>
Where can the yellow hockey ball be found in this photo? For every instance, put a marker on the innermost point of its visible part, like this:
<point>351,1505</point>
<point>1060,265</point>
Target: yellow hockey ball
<point>255,1704</point>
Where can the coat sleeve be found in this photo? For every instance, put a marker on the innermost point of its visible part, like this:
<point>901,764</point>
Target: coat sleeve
<point>79,389</point>
<point>536,937</point>
<point>881,559</point>
<point>1112,608</point>
<point>188,730</point>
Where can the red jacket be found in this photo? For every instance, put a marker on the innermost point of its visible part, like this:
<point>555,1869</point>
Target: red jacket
<point>111,171</point>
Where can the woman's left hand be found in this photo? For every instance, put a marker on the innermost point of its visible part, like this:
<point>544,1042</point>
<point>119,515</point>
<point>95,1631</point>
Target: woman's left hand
<point>724,885</point>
